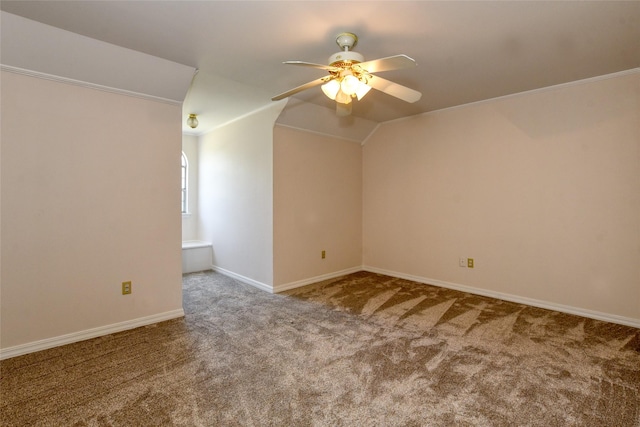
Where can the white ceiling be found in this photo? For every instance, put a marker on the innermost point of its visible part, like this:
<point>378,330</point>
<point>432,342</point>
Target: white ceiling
<point>466,51</point>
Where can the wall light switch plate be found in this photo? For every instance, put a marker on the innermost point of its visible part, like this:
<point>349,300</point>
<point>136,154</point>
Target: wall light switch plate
<point>462,262</point>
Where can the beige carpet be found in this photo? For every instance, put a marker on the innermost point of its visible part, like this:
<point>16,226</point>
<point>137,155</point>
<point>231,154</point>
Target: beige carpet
<point>362,350</point>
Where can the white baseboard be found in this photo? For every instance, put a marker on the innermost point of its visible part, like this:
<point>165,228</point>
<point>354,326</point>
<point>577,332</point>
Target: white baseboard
<point>32,347</point>
<point>606,317</point>
<point>309,281</point>
<point>285,286</point>
<point>243,279</point>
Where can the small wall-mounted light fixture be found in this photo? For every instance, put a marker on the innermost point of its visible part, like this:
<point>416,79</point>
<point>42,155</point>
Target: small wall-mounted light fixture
<point>192,121</point>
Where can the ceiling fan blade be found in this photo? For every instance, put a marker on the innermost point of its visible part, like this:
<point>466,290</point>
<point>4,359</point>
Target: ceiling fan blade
<point>386,64</point>
<point>311,64</point>
<point>394,89</point>
<point>305,86</point>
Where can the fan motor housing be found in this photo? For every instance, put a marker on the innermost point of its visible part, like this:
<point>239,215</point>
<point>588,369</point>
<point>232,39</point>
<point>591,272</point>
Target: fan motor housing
<point>346,57</point>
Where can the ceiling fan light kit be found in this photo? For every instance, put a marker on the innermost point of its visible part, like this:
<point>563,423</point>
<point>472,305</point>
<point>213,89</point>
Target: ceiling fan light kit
<point>350,76</point>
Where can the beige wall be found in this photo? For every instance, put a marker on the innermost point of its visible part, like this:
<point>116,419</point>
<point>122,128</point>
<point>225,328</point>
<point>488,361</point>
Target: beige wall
<point>317,205</point>
<point>236,195</point>
<point>541,189</point>
<point>90,198</point>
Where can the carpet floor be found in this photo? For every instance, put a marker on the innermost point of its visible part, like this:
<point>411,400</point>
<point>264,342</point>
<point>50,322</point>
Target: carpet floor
<point>359,350</point>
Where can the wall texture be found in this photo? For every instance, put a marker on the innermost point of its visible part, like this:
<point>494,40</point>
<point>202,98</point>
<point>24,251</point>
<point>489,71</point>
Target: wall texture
<point>90,198</point>
<point>236,195</point>
<point>542,189</point>
<point>317,205</point>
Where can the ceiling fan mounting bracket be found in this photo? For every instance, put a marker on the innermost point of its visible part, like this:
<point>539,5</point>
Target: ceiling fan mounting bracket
<point>346,41</point>
<point>346,57</point>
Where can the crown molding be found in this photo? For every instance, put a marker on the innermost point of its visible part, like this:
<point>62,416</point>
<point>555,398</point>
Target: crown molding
<point>66,80</point>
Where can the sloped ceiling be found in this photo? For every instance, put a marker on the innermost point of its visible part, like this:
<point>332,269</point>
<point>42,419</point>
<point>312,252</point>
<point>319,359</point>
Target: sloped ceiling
<point>29,46</point>
<point>466,51</point>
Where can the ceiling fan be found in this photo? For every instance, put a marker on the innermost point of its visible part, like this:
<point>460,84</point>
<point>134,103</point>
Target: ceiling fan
<point>351,77</point>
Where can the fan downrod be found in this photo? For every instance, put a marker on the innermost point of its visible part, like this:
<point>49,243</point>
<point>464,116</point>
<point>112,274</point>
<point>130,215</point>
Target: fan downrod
<point>346,57</point>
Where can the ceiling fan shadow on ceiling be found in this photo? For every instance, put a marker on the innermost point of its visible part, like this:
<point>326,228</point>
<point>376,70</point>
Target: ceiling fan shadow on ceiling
<point>351,77</point>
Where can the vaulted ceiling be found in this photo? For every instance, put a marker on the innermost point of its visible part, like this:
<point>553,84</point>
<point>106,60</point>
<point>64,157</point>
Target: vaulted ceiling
<point>466,51</point>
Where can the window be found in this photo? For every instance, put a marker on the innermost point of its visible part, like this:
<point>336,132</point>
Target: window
<point>185,168</point>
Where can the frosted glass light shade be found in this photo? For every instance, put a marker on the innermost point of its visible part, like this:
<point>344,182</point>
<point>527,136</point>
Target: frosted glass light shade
<point>349,84</point>
<point>362,90</point>
<point>343,98</point>
<point>192,121</point>
<point>331,89</point>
